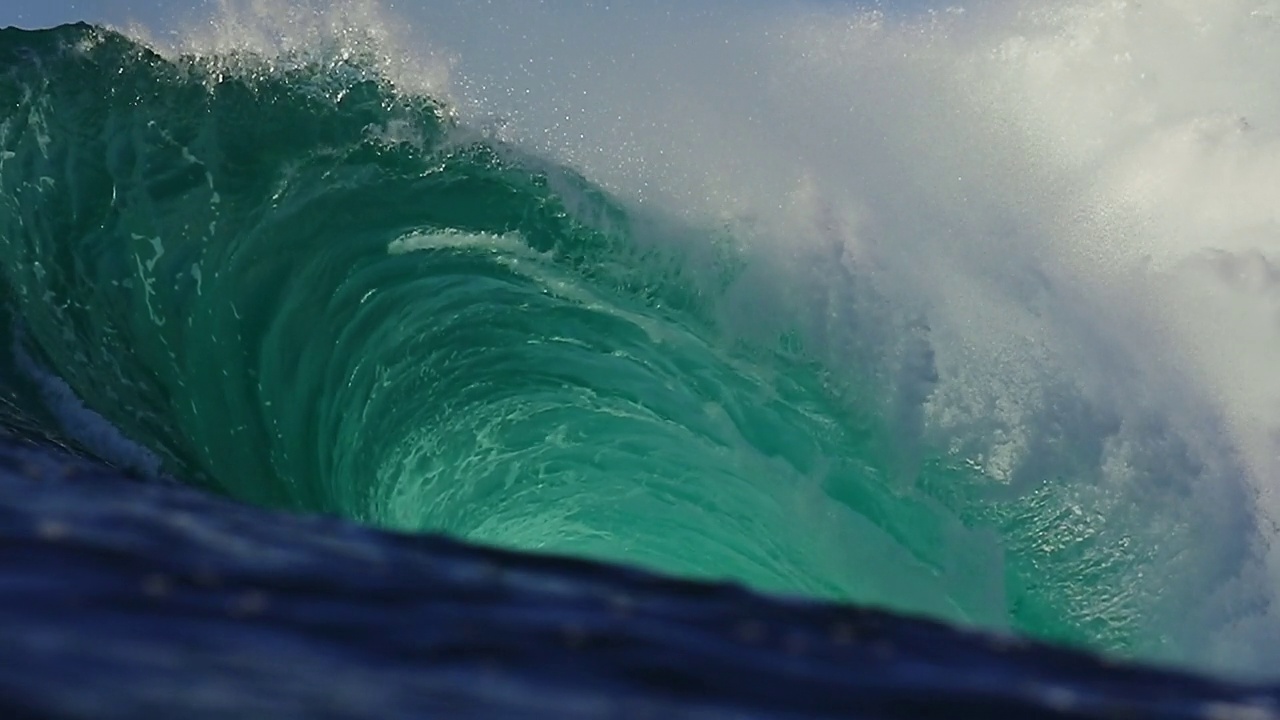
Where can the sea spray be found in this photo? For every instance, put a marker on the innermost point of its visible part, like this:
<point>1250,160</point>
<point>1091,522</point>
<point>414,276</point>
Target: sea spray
<point>1065,213</point>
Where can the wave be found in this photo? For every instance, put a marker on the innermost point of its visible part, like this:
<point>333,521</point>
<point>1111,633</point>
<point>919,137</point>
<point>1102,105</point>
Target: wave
<point>731,316</point>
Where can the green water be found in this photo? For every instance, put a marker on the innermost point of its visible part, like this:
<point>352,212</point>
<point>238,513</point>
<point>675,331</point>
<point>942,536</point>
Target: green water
<point>304,288</point>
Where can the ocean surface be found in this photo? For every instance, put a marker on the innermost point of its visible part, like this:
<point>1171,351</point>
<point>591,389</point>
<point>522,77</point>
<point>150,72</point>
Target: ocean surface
<point>970,316</point>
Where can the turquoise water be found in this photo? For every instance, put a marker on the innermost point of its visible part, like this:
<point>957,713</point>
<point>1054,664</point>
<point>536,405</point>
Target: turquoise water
<point>294,282</point>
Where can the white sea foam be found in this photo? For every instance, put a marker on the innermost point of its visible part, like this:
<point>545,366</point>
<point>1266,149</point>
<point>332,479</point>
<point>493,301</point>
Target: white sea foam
<point>302,31</point>
<point>84,425</point>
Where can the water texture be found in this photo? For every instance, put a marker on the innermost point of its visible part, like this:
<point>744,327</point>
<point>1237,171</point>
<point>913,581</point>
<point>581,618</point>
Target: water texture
<point>305,279</point>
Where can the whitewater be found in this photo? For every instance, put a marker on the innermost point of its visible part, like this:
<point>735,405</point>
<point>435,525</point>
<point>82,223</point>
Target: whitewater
<point>971,313</point>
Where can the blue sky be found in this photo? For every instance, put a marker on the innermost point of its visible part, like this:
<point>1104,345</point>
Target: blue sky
<point>162,13</point>
<point>43,13</point>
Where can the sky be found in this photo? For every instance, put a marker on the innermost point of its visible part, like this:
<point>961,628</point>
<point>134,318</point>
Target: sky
<point>162,14</point>
<point>494,43</point>
<point>44,13</point>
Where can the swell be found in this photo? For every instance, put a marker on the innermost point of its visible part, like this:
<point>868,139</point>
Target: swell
<point>308,290</point>
<point>303,286</point>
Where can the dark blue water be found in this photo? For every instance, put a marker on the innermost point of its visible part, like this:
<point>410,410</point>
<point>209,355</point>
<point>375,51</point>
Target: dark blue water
<point>130,600</point>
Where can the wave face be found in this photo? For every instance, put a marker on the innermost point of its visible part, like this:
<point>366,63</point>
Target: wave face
<point>300,279</point>
<point>306,290</point>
